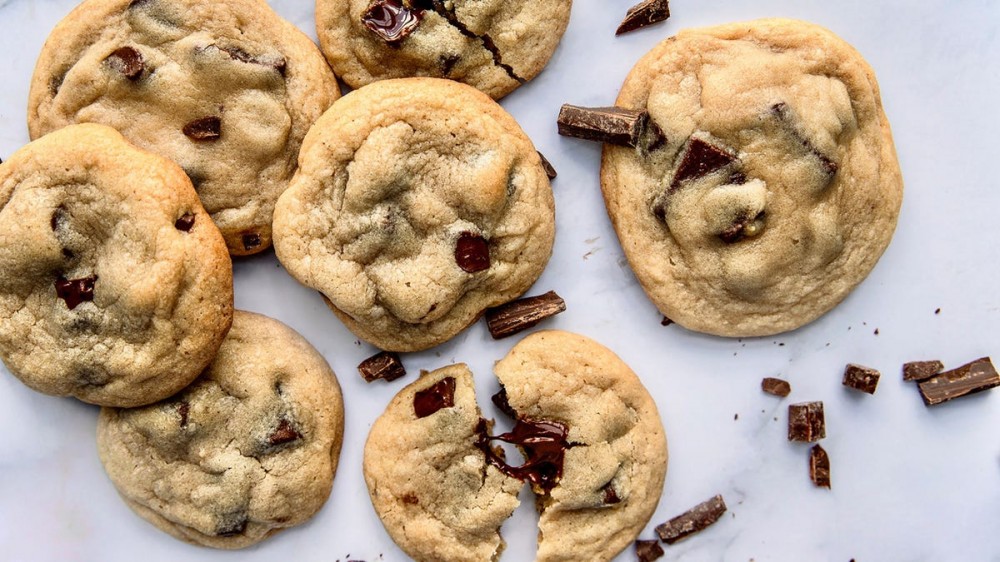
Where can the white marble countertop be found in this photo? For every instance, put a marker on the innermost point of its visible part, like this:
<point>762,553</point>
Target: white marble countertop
<point>909,483</point>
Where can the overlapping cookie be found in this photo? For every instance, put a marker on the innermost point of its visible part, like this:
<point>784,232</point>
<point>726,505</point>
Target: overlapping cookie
<point>493,45</point>
<point>116,286</point>
<point>593,445</point>
<point>249,449</point>
<point>227,89</point>
<point>761,184</point>
<point>418,204</point>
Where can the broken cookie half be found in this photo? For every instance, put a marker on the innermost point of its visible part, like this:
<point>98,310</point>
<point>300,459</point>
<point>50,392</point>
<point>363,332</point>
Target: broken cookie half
<point>593,448</point>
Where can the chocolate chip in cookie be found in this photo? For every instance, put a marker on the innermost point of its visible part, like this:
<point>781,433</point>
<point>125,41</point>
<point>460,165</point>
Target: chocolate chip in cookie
<point>76,291</point>
<point>185,223</point>
<point>434,398</point>
<point>204,129</point>
<point>128,61</point>
<point>472,252</point>
<point>699,159</point>
<point>391,20</point>
<point>284,433</point>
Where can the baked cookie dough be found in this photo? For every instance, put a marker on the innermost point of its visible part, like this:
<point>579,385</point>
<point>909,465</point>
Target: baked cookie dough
<point>418,204</point>
<point>249,449</point>
<point>116,286</point>
<point>493,45</point>
<point>227,89</point>
<point>594,453</point>
<point>774,186</point>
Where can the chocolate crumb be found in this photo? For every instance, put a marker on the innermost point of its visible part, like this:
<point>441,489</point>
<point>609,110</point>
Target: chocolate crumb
<point>438,396</point>
<point>861,378</point>
<point>549,170</point>
<point>694,520</point>
<point>127,61</point>
<point>937,311</point>
<point>385,365</point>
<point>777,387</point>
<point>819,467</point>
<point>644,14</point>
<point>666,321</point>
<point>921,370</point>
<point>204,129</point>
<point>647,551</point>
<point>806,422</point>
<point>612,125</point>
<point>977,376</point>
<point>185,223</point>
<point>517,316</point>
<point>472,253</point>
<point>876,331</point>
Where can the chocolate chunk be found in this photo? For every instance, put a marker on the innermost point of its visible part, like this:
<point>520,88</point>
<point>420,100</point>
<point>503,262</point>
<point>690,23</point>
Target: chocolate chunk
<point>784,113</point>
<point>613,125</point>
<point>544,446</point>
<point>549,170</point>
<point>643,14</point>
<point>204,129</point>
<point>75,291</point>
<point>775,386</point>
<point>58,218</point>
<point>743,227</point>
<point>391,20</point>
<point>517,316</point>
<point>250,240</point>
<point>284,433</point>
<point>647,551</point>
<point>921,370</point>
<point>447,11</point>
<point>182,410</point>
<point>436,397</point>
<point>472,252</point>
<point>385,365</point>
<point>502,402</point>
<point>694,520</point>
<point>278,63</point>
<point>185,222</point>
<point>610,495</point>
<point>447,63</point>
<point>806,422</point>
<point>861,378</point>
<point>232,524</point>
<point>127,61</point>
<point>819,467</point>
<point>700,158</point>
<point>970,378</point>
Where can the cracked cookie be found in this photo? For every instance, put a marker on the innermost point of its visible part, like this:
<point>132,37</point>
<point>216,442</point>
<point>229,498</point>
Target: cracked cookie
<point>418,204</point>
<point>226,89</point>
<point>493,45</point>
<point>116,288</point>
<point>592,443</point>
<point>775,186</point>
<point>249,449</point>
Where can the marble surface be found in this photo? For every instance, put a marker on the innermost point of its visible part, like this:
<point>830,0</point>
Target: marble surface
<point>909,483</point>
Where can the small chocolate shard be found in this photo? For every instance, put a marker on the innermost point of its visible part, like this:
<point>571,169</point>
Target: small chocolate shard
<point>644,14</point>
<point>284,433</point>
<point>700,158</point>
<point>977,376</point>
<point>806,422</point>
<point>185,223</point>
<point>250,240</point>
<point>232,524</point>
<point>472,252</point>
<point>613,125</point>
<point>391,20</point>
<point>819,467</point>
<point>647,551</point>
<point>744,227</point>
<point>438,396</point>
<point>237,54</point>
<point>385,365</point>
<point>75,291</point>
<point>547,166</point>
<point>502,402</point>
<point>517,316</point>
<point>127,61</point>
<point>921,370</point>
<point>776,387</point>
<point>183,408</point>
<point>447,63</point>
<point>204,129</point>
<point>694,520</point>
<point>666,321</point>
<point>861,378</point>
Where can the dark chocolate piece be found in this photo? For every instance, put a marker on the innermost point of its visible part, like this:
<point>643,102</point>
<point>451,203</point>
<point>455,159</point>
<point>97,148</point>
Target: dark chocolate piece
<point>819,467</point>
<point>784,113</point>
<point>183,408</point>
<point>921,370</point>
<point>777,387</point>
<point>549,170</point>
<point>58,218</point>
<point>694,520</point>
<point>447,11</point>
<point>127,61</point>
<point>613,125</point>
<point>737,178</point>
<point>970,378</point>
<point>250,240</point>
<point>436,397</point>
<point>232,524</point>
<point>647,551</point>
<point>861,378</point>
<point>502,402</point>
<point>806,422</point>
<point>700,158</point>
<point>610,495</point>
<point>278,63</point>
<point>185,223</point>
<point>204,129</point>
<point>385,365</point>
<point>643,14</point>
<point>544,446</point>
<point>391,20</point>
<point>447,63</point>
<point>284,433</point>
<point>517,316</point>
<point>75,291</point>
<point>666,321</point>
<point>744,227</point>
<point>472,252</point>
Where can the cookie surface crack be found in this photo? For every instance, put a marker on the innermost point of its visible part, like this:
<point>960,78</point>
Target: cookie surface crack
<point>487,41</point>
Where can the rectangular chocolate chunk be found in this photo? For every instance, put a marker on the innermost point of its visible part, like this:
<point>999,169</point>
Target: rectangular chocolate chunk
<point>613,125</point>
<point>647,551</point>
<point>385,365</point>
<point>694,520</point>
<point>819,467</point>
<point>806,422</point>
<point>643,14</point>
<point>861,378</point>
<point>970,378</point>
<point>921,370</point>
<point>550,171</point>
<point>777,387</point>
<point>516,316</point>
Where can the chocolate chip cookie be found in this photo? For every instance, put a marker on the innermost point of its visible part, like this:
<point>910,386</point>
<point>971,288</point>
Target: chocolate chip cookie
<point>774,186</point>
<point>418,204</point>
<point>249,449</point>
<point>227,89</point>
<point>593,449</point>
<point>116,286</point>
<point>493,45</point>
